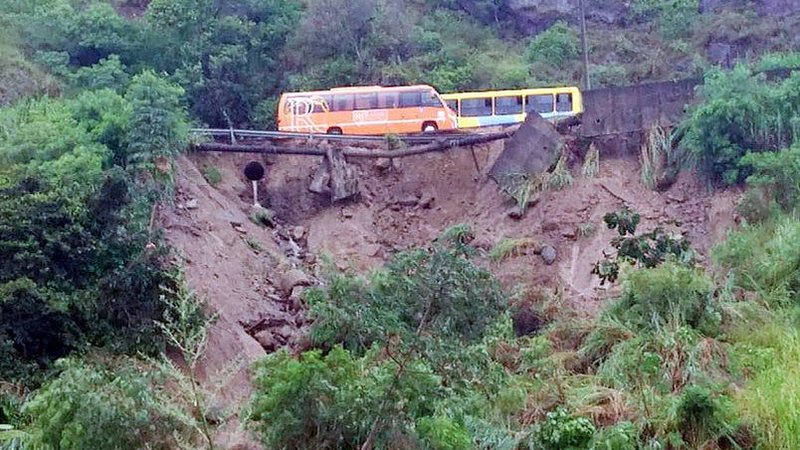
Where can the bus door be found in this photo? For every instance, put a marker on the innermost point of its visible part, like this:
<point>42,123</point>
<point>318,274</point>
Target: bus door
<point>388,102</point>
<point>410,104</point>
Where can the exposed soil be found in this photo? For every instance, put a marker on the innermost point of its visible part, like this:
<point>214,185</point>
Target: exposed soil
<point>252,276</point>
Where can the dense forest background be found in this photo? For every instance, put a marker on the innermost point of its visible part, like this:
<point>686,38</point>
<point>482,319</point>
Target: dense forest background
<point>97,98</point>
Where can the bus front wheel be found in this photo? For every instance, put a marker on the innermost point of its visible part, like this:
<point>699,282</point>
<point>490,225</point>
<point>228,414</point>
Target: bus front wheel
<point>429,127</point>
<point>334,130</point>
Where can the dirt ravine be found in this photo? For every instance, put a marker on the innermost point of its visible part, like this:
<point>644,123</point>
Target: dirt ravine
<point>252,276</point>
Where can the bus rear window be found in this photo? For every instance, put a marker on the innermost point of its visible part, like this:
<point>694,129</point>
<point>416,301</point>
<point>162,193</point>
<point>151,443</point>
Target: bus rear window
<point>564,102</point>
<point>409,99</point>
<point>343,102</point>
<point>474,107</point>
<point>540,103</point>
<point>508,105</point>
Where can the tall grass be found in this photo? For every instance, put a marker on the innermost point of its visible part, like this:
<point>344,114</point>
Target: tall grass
<point>770,401</point>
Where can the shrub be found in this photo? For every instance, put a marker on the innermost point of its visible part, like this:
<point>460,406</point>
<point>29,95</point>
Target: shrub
<point>740,113</point>
<point>442,433</point>
<point>764,259</point>
<point>671,294</point>
<point>212,175</point>
<point>100,408</point>
<point>334,401</point>
<point>435,293</point>
<point>645,250</point>
<point>555,46</point>
<point>563,431</point>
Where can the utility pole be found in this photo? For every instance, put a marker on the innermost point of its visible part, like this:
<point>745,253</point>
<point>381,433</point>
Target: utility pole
<point>587,82</point>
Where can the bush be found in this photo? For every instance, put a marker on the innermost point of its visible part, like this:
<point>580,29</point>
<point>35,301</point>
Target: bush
<point>741,113</point>
<point>669,295</point>
<point>563,431</point>
<point>333,401</point>
<point>645,250</point>
<point>764,259</point>
<point>555,46</point>
<point>435,293</point>
<point>101,408</point>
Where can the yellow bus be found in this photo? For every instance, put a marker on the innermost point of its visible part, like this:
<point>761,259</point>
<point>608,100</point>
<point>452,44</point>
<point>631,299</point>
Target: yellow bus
<point>481,109</point>
<point>366,110</point>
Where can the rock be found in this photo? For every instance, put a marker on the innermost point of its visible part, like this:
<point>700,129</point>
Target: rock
<point>373,250</point>
<point>549,226</point>
<point>516,213</point>
<point>292,279</point>
<point>676,197</point>
<point>526,321</point>
<point>266,340</point>
<point>426,201</point>
<point>296,297</point>
<point>346,213</point>
<point>395,207</point>
<point>298,233</point>
<point>191,204</point>
<point>383,164</point>
<point>408,201</point>
<point>548,254</point>
<point>240,229</point>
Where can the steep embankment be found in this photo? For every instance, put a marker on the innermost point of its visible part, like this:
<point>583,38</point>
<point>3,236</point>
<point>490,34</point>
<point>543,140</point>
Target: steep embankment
<point>251,275</point>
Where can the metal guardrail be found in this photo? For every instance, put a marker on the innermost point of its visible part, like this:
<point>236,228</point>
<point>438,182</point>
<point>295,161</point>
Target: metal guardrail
<point>235,134</point>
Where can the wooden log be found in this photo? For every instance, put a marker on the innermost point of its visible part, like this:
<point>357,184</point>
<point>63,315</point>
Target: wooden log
<point>356,152</point>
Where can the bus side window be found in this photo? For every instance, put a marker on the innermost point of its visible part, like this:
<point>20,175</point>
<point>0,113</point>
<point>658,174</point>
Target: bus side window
<point>387,100</point>
<point>453,105</point>
<point>321,102</point>
<point>475,107</point>
<point>343,102</point>
<point>540,103</point>
<point>366,101</point>
<point>430,99</point>
<point>410,99</point>
<point>508,105</point>
<point>564,102</point>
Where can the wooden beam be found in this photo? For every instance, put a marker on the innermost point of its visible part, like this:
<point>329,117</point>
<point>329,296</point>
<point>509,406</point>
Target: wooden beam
<point>353,151</point>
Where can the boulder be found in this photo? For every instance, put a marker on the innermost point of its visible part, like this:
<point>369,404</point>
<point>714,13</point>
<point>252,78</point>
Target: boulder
<point>548,254</point>
<point>292,279</point>
<point>533,149</point>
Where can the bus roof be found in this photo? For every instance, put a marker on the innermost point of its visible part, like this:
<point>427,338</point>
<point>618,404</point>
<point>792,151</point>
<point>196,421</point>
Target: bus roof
<point>355,89</point>
<point>510,92</point>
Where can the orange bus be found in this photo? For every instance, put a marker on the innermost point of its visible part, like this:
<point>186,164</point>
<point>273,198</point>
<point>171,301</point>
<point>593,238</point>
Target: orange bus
<point>372,110</point>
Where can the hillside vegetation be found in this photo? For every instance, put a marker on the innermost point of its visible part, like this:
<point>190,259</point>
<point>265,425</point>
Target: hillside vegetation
<point>97,98</point>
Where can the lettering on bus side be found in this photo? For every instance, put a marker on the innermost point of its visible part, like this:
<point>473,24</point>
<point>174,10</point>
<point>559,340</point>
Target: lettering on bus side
<point>301,110</point>
<point>374,115</point>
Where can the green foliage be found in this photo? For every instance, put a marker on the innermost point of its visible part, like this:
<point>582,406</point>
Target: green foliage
<point>100,408</point>
<point>741,113</point>
<point>622,436</point>
<point>675,18</point>
<point>767,401</point>
<point>435,293</point>
<point>563,431</point>
<point>764,259</point>
<point>509,248</point>
<point>555,46</point>
<point>645,250</point>
<point>778,173</point>
<point>158,125</point>
<point>669,295</point>
<point>331,401</point>
<point>212,175</point>
<point>701,416</point>
<point>442,433</point>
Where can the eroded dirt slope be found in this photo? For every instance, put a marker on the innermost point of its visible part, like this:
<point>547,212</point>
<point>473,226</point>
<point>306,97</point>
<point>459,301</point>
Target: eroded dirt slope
<point>252,276</point>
